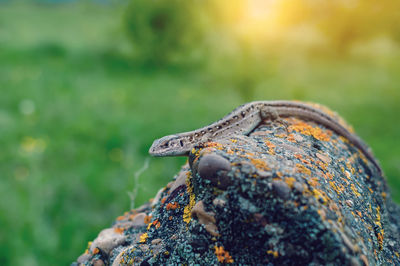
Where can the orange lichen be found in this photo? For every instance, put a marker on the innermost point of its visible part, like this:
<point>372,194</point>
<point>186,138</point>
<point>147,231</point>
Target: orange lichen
<point>222,255</point>
<point>158,225</point>
<point>305,162</point>
<point>260,164</point>
<point>163,200</point>
<point>324,166</point>
<point>298,156</point>
<point>383,194</point>
<point>307,129</point>
<point>291,138</point>
<point>302,169</point>
<point>271,147</point>
<point>212,144</point>
<point>230,152</point>
<point>147,219</point>
<point>314,182</point>
<point>172,206</point>
<point>131,216</point>
<point>290,181</point>
<point>95,251</point>
<point>273,253</point>
<point>119,230</point>
<point>328,175</point>
<point>119,218</point>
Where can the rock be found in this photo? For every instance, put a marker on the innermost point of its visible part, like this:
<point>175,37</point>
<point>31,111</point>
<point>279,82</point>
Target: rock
<point>97,262</point>
<point>205,218</point>
<point>84,258</point>
<point>219,202</point>
<point>180,180</point>
<point>138,219</point>
<point>157,197</point>
<point>107,240</point>
<point>214,167</point>
<point>281,189</point>
<point>292,192</point>
<point>156,241</point>
<point>298,186</point>
<point>119,259</point>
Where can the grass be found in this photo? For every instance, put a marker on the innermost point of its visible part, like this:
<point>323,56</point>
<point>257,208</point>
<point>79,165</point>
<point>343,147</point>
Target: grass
<point>77,116</point>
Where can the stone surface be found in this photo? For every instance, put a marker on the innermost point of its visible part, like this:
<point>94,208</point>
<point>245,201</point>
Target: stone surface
<point>214,168</point>
<point>291,193</point>
<point>107,240</point>
<point>207,219</point>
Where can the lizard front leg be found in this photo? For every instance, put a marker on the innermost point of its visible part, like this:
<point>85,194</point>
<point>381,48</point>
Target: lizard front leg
<point>270,114</point>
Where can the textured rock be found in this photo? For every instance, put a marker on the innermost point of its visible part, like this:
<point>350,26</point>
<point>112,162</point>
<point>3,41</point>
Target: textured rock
<point>291,193</point>
<point>207,219</point>
<point>107,240</point>
<point>214,168</point>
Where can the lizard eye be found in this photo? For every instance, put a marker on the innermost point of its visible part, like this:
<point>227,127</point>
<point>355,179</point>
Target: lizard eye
<point>166,144</point>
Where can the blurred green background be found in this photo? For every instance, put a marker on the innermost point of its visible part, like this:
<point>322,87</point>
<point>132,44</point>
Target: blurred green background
<point>86,86</point>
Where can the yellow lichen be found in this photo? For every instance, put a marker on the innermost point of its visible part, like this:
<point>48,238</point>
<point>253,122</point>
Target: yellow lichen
<point>381,232</point>
<point>353,187</point>
<point>319,195</point>
<point>273,253</point>
<point>302,169</point>
<point>196,152</point>
<point>143,238</point>
<point>187,211</point>
<point>339,188</point>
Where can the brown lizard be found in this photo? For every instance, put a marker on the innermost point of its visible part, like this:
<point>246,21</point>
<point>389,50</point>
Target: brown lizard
<point>245,119</point>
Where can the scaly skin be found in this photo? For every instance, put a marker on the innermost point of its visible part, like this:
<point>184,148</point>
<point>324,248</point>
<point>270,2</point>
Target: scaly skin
<point>244,119</point>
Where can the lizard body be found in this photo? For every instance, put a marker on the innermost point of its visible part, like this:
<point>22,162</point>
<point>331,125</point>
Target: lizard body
<point>245,119</point>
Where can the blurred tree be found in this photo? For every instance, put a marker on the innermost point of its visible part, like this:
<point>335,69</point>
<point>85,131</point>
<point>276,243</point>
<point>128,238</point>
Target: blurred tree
<point>165,31</point>
<point>343,23</point>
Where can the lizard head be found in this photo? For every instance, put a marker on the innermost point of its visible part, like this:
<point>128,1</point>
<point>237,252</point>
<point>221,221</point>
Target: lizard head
<point>171,145</point>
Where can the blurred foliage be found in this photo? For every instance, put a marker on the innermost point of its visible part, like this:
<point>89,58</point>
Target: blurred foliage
<point>87,87</point>
<point>162,28</point>
<point>165,31</point>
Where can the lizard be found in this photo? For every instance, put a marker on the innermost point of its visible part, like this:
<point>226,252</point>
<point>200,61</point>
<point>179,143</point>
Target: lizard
<point>244,119</point>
